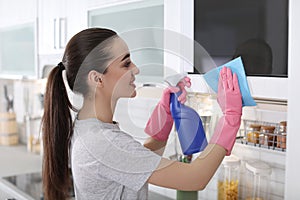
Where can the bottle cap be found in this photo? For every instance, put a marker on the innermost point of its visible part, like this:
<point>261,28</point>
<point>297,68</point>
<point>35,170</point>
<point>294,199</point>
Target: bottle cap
<point>255,126</point>
<point>268,128</point>
<point>231,160</point>
<point>283,123</point>
<point>258,167</point>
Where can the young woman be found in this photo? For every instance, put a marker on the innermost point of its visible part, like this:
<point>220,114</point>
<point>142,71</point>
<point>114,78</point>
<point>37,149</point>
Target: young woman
<point>106,162</point>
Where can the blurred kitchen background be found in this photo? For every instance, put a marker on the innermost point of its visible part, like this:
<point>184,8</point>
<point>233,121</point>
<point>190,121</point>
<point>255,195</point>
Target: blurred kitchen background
<point>33,35</point>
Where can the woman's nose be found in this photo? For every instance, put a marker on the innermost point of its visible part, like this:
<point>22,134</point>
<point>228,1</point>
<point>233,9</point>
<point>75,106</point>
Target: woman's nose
<point>135,70</point>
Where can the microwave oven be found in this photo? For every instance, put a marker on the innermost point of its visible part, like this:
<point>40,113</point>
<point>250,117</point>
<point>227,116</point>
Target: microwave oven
<point>221,27</point>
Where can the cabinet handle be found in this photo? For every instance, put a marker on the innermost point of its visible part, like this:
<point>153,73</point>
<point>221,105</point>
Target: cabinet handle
<point>55,33</point>
<point>59,33</point>
<point>62,32</point>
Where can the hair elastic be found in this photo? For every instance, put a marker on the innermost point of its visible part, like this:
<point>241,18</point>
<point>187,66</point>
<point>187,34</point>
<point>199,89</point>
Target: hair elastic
<point>61,66</point>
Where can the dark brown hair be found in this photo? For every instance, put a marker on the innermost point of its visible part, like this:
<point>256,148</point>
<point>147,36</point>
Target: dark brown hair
<point>87,50</point>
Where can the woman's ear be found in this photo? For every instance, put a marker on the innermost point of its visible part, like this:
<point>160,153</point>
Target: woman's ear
<point>95,78</point>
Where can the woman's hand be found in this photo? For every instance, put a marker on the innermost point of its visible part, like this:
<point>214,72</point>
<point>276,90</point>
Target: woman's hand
<point>160,123</point>
<point>185,82</point>
<point>229,95</point>
<point>230,101</point>
<point>181,87</point>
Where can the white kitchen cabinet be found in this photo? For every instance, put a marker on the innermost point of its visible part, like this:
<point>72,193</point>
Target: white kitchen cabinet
<point>179,17</point>
<point>76,12</point>
<point>15,12</point>
<point>18,39</point>
<point>58,22</point>
<point>149,46</point>
<point>141,25</point>
<point>164,25</point>
<point>52,26</point>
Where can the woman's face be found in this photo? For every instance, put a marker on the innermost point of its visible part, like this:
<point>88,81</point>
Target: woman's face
<point>120,75</point>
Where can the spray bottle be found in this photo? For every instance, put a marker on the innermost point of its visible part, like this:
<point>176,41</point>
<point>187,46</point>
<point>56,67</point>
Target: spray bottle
<point>187,121</point>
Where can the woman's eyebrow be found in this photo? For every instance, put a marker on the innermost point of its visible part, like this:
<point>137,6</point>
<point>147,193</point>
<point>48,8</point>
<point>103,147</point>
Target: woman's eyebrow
<point>126,56</point>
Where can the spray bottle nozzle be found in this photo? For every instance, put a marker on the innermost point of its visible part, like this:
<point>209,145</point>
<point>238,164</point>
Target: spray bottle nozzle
<point>173,80</point>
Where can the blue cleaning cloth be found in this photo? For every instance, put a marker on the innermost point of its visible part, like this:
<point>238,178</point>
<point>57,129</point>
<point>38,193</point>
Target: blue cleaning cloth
<point>236,66</point>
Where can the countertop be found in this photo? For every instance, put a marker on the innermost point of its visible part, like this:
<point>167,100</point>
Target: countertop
<point>16,160</point>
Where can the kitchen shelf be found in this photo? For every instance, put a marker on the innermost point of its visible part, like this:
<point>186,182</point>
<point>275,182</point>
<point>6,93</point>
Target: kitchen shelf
<point>265,140</point>
<point>244,142</point>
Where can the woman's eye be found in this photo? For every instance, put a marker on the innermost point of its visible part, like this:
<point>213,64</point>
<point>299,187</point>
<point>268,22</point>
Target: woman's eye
<point>127,64</point>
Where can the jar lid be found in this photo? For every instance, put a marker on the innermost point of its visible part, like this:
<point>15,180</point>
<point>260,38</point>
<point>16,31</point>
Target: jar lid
<point>258,167</point>
<point>255,126</point>
<point>231,160</point>
<point>269,128</point>
<point>283,123</point>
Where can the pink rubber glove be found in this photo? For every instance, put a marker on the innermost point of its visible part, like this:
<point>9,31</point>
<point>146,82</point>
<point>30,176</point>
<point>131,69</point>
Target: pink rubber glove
<point>230,101</point>
<point>160,123</point>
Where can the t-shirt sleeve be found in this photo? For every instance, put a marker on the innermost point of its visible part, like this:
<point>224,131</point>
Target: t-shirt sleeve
<point>124,160</point>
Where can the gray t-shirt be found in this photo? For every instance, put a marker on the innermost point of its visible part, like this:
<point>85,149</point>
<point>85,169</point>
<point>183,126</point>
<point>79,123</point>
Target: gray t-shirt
<point>107,163</point>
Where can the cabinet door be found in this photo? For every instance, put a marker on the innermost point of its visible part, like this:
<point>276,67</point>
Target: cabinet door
<point>52,26</point>
<point>18,38</point>
<point>15,12</point>
<point>59,21</point>
<point>141,25</point>
<point>76,11</point>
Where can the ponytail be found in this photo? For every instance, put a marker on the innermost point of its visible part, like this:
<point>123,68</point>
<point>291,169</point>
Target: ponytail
<point>87,50</point>
<point>57,133</point>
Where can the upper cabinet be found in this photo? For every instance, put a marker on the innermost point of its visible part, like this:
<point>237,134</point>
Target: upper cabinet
<point>156,31</point>
<point>43,27</point>
<point>59,20</point>
<point>17,12</point>
<point>18,38</point>
<point>52,26</point>
<point>76,16</point>
<point>141,25</point>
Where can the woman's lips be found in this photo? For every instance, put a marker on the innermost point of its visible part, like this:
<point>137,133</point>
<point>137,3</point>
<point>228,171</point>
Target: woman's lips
<point>132,83</point>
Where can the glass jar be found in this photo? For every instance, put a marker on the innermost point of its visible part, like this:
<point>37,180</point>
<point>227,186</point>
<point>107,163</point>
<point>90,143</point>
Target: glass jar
<point>257,180</point>
<point>33,130</point>
<point>281,136</point>
<point>267,136</point>
<point>228,178</point>
<point>253,133</point>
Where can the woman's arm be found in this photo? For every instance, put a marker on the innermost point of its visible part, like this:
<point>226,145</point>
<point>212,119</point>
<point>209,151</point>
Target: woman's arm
<point>189,176</point>
<point>155,145</point>
<point>196,175</point>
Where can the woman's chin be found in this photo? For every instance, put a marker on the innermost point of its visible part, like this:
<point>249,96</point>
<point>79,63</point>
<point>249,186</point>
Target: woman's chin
<point>133,94</point>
